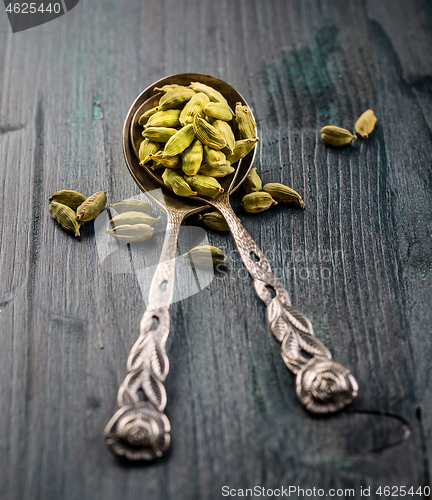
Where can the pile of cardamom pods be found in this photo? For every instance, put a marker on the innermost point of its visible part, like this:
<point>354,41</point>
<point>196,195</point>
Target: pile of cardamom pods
<point>189,135</point>
<point>71,209</point>
<point>337,136</point>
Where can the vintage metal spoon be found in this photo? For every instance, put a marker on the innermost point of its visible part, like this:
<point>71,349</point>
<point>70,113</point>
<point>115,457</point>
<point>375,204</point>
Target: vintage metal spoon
<point>139,430</point>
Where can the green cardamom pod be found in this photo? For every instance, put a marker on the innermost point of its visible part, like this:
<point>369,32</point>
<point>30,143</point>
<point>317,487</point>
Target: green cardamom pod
<point>177,183</point>
<point>180,141</point>
<point>257,202</point>
<point>226,132</point>
<point>213,157</point>
<point>132,205</point>
<point>193,107</point>
<point>241,149</point>
<point>146,115</point>
<point>205,256</point>
<point>366,123</point>
<point>92,207</point>
<point>175,98</point>
<point>131,232</point>
<point>159,134</point>
<point>166,88</point>
<point>252,182</point>
<point>282,193</point>
<point>214,220</point>
<point>204,185</point>
<point>147,148</point>
<point>192,157</point>
<point>336,136</point>
<point>207,134</point>
<point>212,93</point>
<point>220,171</point>
<point>72,199</point>
<point>134,218</point>
<point>219,111</point>
<point>245,122</point>
<point>162,160</point>
<point>65,216</point>
<point>169,118</point>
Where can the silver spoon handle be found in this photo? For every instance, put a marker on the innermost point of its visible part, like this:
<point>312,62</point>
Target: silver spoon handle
<point>139,430</point>
<point>322,384</point>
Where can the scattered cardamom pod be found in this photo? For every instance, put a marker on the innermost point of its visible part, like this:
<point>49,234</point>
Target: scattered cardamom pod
<point>194,107</point>
<point>147,148</point>
<point>159,134</point>
<point>282,193</point>
<point>204,186</point>
<point>220,171</point>
<point>131,232</point>
<point>336,136</point>
<point>177,183</point>
<point>134,218</point>
<point>192,157</point>
<point>219,111</point>
<point>65,216</point>
<point>257,202</point>
<point>146,115</point>
<point>214,220</point>
<point>253,182</point>
<point>132,205</point>
<point>180,141</point>
<point>92,207</point>
<point>241,149</point>
<point>205,256</point>
<point>207,134</point>
<point>212,93</point>
<point>175,98</point>
<point>366,123</point>
<point>67,197</point>
<point>246,124</point>
<point>168,118</point>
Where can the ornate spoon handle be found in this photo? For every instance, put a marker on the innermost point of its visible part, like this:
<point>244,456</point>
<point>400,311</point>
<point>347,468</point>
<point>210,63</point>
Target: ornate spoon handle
<point>139,430</point>
<point>322,384</point>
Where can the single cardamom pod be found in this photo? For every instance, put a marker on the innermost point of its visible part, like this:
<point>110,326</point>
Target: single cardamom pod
<point>192,157</point>
<point>213,158</point>
<point>252,183</point>
<point>159,134</point>
<point>177,183</point>
<point>92,207</point>
<point>193,107</point>
<point>226,132</point>
<point>245,122</point>
<point>366,123</point>
<point>132,205</point>
<point>134,218</point>
<point>65,216</point>
<point>72,199</point>
<point>219,111</point>
<point>282,193</point>
<point>204,185</point>
<point>205,256</point>
<point>257,202</point>
<point>175,98</point>
<point>241,149</point>
<point>146,115</point>
<point>166,88</point>
<point>147,148</point>
<point>220,171</point>
<point>207,134</point>
<point>212,93</point>
<point>162,160</point>
<point>131,232</point>
<point>214,220</point>
<point>336,136</point>
<point>169,118</point>
<point>180,141</point>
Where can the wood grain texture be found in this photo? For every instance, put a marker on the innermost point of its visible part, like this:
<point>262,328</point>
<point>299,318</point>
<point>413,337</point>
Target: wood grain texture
<point>357,261</point>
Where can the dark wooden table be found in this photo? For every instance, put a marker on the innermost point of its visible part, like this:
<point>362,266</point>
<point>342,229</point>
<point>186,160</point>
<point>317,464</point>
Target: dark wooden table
<point>357,261</point>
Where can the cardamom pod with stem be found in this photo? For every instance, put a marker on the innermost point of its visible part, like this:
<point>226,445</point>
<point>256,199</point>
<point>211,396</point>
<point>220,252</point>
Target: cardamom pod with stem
<point>180,141</point>
<point>204,186</point>
<point>67,197</point>
<point>162,160</point>
<point>366,123</point>
<point>336,136</point>
<point>192,157</point>
<point>132,205</point>
<point>193,107</point>
<point>214,220</point>
<point>134,218</point>
<point>167,88</point>
<point>282,193</point>
<point>177,183</point>
<point>213,94</point>
<point>147,148</point>
<point>207,134</point>
<point>131,232</point>
<point>92,207</point>
<point>246,124</point>
<point>257,202</point>
<point>252,182</point>
<point>241,149</point>
<point>205,256</point>
<point>65,216</point>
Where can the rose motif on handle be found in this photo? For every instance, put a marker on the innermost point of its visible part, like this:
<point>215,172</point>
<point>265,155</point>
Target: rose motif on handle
<point>138,432</point>
<point>325,386</point>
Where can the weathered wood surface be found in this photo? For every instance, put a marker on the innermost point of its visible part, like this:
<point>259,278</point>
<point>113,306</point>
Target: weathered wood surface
<point>357,261</point>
